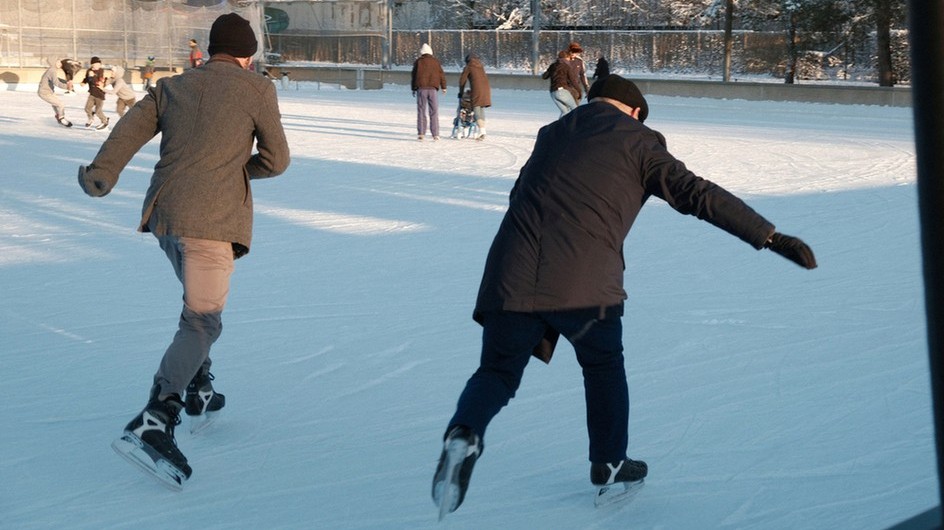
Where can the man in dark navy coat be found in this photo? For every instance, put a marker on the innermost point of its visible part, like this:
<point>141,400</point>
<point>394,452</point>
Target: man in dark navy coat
<point>556,267</point>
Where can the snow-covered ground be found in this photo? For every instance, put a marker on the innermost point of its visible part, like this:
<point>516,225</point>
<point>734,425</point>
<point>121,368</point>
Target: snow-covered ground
<point>763,395</point>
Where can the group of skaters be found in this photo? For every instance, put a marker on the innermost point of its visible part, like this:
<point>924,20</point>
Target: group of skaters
<point>568,78</point>
<point>428,78</point>
<point>555,268</point>
<point>97,79</point>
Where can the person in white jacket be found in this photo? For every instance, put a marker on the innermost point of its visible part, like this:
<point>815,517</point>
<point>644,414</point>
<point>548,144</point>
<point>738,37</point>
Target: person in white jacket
<point>126,96</point>
<point>47,90</point>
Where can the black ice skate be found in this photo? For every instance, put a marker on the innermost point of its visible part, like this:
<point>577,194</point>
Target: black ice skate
<point>148,441</point>
<point>461,449</point>
<point>616,482</point>
<point>203,403</point>
<point>63,121</point>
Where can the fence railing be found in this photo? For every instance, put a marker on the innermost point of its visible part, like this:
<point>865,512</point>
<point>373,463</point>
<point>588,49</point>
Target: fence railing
<point>125,32</point>
<point>128,32</point>
<point>641,52</point>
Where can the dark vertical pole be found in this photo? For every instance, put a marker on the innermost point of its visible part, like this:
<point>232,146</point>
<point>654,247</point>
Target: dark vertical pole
<point>728,38</point>
<point>926,20</point>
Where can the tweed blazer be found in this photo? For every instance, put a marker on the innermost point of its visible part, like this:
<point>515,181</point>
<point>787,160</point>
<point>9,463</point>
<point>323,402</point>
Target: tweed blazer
<point>208,119</point>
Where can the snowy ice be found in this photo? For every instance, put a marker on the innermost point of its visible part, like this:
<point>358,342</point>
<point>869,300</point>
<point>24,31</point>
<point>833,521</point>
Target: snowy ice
<point>762,395</point>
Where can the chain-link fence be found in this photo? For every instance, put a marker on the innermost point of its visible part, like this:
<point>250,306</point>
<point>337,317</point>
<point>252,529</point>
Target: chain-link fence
<point>126,32</point>
<point>121,32</point>
<point>699,53</point>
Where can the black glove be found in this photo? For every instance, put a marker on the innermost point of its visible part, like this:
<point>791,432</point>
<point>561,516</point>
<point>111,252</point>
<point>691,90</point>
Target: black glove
<point>793,249</point>
<point>459,95</point>
<point>90,185</point>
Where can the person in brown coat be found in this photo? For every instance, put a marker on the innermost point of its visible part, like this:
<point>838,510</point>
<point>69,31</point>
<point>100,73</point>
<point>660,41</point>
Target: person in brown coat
<point>556,268</point>
<point>427,78</point>
<point>579,66</point>
<point>474,74</point>
<point>564,83</point>
<point>199,207</point>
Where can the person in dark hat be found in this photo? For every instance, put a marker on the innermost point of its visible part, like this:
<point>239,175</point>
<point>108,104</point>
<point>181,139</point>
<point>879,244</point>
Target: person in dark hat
<point>602,69</point>
<point>199,207</point>
<point>147,73</point>
<point>556,268</point>
<point>95,104</point>
<point>196,54</point>
<point>70,67</point>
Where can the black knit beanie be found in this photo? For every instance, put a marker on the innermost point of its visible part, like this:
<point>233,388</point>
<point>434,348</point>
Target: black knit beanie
<point>95,60</point>
<point>233,35</point>
<point>622,90</point>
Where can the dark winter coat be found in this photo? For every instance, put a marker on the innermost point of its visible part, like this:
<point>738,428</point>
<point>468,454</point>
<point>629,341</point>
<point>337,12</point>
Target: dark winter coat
<point>428,73</point>
<point>602,70</point>
<point>562,75</point>
<point>70,67</point>
<point>474,73</point>
<point>580,68</point>
<point>209,119</point>
<point>95,79</point>
<point>560,243</point>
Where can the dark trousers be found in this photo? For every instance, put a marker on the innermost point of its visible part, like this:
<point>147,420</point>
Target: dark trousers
<point>508,339</point>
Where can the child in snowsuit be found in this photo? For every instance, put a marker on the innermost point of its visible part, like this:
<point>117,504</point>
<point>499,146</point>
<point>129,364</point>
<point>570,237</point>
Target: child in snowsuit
<point>47,91</point>
<point>126,97</point>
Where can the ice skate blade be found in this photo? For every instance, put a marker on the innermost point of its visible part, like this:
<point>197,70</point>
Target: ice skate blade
<point>132,449</point>
<point>617,493</point>
<point>447,492</point>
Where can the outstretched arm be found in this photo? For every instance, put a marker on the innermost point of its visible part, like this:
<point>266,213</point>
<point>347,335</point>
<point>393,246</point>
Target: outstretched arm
<point>134,130</point>
<point>669,179</point>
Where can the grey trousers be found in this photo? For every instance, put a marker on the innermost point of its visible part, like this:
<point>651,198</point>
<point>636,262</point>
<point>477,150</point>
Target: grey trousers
<point>427,98</point>
<point>123,105</point>
<point>204,268</point>
<point>56,103</point>
<point>93,107</point>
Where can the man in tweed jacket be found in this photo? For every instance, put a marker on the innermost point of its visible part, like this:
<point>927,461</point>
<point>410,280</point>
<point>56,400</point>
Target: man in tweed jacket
<point>198,205</point>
